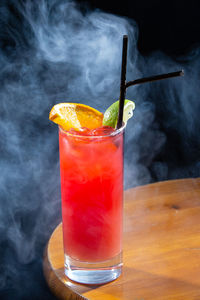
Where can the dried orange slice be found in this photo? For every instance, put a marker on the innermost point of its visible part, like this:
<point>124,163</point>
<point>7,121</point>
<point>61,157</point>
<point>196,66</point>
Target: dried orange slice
<point>75,115</point>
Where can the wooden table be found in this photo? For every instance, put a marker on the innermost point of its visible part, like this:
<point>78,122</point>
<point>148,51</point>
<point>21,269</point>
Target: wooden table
<point>161,248</point>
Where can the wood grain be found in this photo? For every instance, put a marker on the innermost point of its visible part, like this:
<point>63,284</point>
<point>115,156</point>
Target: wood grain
<point>161,248</point>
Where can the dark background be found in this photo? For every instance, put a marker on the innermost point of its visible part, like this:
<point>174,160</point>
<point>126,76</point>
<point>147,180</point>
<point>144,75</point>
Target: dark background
<point>162,140</point>
<point>170,26</point>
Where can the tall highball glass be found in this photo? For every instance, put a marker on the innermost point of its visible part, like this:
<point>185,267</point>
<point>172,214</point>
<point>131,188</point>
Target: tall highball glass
<point>91,169</point>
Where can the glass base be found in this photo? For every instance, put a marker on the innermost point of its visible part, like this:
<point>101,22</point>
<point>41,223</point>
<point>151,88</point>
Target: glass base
<point>93,273</point>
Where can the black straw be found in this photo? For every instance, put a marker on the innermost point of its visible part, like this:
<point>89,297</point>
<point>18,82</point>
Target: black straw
<point>124,85</point>
<point>154,78</point>
<point>123,82</point>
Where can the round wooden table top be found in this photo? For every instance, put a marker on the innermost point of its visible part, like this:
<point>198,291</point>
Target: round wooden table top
<point>161,248</point>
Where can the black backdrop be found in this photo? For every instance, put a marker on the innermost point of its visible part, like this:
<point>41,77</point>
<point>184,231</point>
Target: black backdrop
<point>172,26</point>
<point>162,140</point>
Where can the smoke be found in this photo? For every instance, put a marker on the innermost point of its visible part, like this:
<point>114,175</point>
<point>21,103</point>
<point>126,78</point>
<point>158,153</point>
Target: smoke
<point>58,51</point>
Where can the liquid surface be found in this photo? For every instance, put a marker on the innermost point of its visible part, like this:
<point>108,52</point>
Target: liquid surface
<point>100,131</point>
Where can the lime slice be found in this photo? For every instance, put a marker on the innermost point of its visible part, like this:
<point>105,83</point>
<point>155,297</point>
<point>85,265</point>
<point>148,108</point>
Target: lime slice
<point>111,114</point>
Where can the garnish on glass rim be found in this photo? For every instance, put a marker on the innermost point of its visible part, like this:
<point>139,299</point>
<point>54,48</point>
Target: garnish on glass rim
<point>76,116</point>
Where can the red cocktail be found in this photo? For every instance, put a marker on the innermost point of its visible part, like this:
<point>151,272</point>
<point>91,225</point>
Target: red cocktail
<point>91,165</point>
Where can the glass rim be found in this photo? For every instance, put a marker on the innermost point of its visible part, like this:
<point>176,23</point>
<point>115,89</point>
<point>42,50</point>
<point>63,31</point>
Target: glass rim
<point>114,133</point>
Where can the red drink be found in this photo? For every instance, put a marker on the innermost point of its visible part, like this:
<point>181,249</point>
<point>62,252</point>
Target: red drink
<point>92,192</point>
